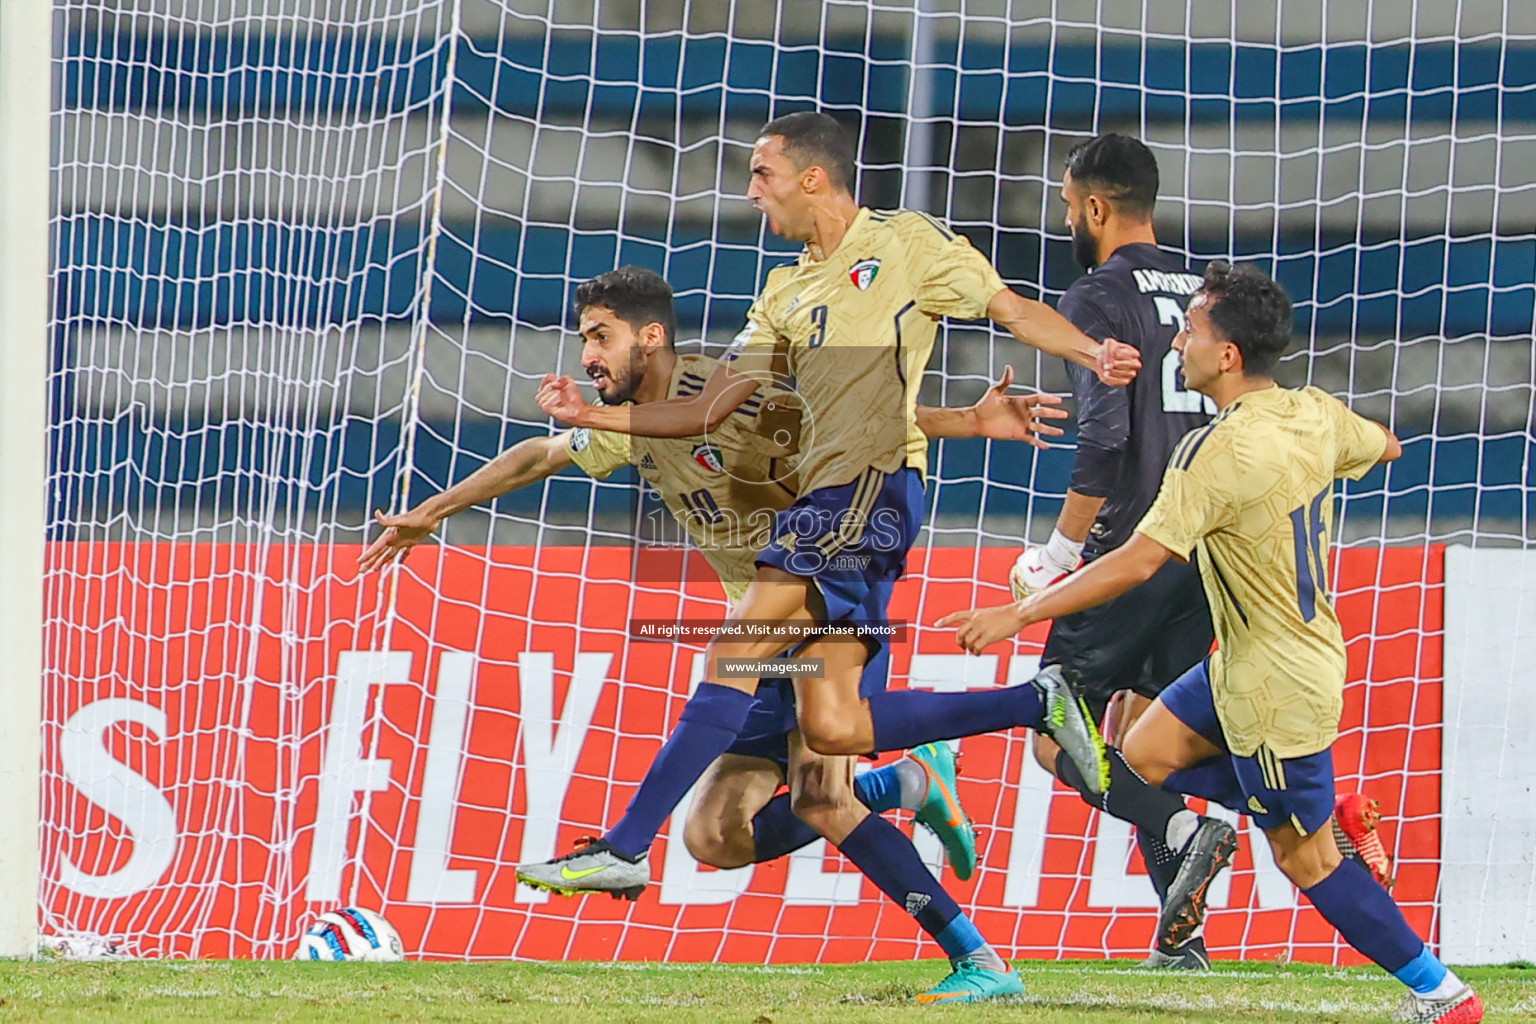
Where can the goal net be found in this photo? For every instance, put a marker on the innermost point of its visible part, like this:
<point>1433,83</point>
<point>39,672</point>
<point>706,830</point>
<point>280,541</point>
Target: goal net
<point>312,259</point>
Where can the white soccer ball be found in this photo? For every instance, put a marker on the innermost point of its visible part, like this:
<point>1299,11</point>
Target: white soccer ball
<point>351,933</point>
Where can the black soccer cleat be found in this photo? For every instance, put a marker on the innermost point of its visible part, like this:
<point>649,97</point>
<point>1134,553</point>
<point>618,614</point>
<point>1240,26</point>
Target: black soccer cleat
<point>1206,854</point>
<point>1189,957</point>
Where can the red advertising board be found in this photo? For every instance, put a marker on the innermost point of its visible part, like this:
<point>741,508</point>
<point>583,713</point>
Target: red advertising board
<point>237,737</point>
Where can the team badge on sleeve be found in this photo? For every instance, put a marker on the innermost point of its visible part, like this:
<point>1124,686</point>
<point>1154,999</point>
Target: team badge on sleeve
<point>863,274</point>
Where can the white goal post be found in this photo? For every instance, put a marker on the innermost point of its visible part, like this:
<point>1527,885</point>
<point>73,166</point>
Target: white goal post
<point>25,74</point>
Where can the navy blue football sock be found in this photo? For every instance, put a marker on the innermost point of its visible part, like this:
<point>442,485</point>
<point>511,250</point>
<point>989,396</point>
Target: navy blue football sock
<point>710,722</point>
<point>1368,918</point>
<point>910,718</point>
<point>888,858</point>
<point>776,832</point>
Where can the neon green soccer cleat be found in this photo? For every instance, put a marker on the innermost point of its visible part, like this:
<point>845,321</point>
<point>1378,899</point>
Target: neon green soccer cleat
<point>941,812</point>
<point>972,984</point>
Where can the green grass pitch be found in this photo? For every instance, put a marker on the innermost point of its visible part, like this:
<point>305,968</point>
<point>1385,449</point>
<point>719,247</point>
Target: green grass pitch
<point>1098,992</point>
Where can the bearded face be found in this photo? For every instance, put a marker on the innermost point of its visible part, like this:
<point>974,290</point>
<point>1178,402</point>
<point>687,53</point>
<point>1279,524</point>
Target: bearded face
<point>1085,248</point>
<point>613,355</point>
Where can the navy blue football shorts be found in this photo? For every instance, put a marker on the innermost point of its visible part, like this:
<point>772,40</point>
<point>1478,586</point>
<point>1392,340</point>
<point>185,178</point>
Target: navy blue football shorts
<point>851,541</point>
<point>1273,790</point>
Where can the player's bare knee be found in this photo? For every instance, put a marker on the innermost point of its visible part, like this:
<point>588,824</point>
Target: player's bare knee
<point>716,844</point>
<point>822,807</point>
<point>1305,860</point>
<point>832,735</point>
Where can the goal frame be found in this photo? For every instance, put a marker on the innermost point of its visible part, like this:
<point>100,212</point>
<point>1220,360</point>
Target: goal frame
<point>26,51</point>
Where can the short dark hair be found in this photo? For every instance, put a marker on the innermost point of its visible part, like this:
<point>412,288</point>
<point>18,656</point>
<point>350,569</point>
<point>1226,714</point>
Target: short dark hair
<point>1120,167</point>
<point>1251,310</point>
<point>636,295</point>
<point>811,138</point>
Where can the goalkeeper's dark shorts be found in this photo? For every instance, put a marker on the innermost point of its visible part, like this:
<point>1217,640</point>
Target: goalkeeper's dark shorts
<point>1141,641</point>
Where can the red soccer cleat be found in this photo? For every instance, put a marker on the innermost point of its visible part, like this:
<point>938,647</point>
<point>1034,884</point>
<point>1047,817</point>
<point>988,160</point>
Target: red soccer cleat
<point>1462,1008</point>
<point>1355,817</point>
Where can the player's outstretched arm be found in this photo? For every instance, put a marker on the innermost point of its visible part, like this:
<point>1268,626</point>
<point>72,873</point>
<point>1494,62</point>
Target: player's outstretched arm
<point>676,417</point>
<point>1128,566</point>
<point>1040,326</point>
<point>996,415</point>
<point>524,463</point>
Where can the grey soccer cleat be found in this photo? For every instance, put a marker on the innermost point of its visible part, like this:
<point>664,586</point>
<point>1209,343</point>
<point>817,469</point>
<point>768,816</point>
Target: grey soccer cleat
<point>1206,854</point>
<point>593,866</point>
<point>1068,722</point>
<point>1189,957</point>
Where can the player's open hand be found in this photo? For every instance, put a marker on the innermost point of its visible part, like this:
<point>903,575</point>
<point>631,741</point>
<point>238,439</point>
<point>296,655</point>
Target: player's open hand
<point>562,399</point>
<point>1118,362</point>
<point>401,533</point>
<point>983,627</point>
<point>1005,417</point>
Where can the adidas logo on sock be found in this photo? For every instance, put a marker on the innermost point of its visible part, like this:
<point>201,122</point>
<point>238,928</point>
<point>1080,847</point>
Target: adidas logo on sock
<point>916,901</point>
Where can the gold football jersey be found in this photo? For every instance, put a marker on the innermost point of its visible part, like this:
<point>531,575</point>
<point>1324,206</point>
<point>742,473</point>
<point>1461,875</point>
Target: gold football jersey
<point>1252,492</point>
<point>723,488</point>
<point>856,330</point>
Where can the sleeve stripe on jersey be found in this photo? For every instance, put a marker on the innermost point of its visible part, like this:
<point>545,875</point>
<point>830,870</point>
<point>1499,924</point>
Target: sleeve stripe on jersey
<point>949,236</point>
<point>1179,449</point>
<point>1191,445</point>
<point>1184,452</point>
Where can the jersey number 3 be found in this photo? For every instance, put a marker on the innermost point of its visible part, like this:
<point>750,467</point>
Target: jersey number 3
<point>1175,397</point>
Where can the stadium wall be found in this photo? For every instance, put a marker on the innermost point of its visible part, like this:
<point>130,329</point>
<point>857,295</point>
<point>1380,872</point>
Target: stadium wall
<point>414,778</point>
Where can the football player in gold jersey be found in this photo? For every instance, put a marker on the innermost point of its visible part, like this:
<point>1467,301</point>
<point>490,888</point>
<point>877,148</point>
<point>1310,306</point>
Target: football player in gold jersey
<point>718,487</point>
<point>853,323</point>
<point>1253,726</point>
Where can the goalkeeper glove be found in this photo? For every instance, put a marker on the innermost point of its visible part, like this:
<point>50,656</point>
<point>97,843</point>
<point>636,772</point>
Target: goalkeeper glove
<point>1038,568</point>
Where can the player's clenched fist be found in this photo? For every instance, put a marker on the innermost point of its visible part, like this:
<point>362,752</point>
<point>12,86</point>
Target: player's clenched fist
<point>561,398</point>
<point>1039,567</point>
<point>1118,362</point>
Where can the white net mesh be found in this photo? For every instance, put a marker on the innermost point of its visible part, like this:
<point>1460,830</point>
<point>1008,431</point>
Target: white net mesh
<point>312,259</point>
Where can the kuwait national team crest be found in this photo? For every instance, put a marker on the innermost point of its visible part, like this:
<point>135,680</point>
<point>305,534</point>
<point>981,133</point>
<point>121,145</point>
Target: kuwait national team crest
<point>863,274</point>
<point>708,456</point>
